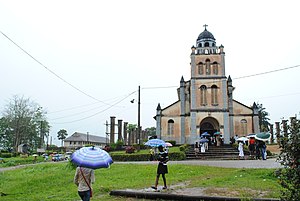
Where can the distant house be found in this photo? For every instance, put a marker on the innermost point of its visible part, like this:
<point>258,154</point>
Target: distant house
<point>77,140</point>
<point>23,148</point>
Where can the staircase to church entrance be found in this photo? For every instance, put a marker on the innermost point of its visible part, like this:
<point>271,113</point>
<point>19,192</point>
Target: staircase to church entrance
<point>224,152</point>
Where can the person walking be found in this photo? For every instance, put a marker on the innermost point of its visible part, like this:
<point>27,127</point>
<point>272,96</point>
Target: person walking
<point>162,167</point>
<point>241,150</point>
<point>251,146</point>
<point>84,177</point>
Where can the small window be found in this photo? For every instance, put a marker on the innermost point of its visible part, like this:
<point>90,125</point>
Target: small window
<point>207,66</point>
<point>203,92</point>
<point>215,68</point>
<point>200,68</point>
<point>214,95</point>
<point>244,126</point>
<point>171,127</point>
<point>206,44</point>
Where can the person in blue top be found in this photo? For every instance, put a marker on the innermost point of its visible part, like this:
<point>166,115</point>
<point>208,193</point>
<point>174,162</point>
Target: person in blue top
<point>162,167</point>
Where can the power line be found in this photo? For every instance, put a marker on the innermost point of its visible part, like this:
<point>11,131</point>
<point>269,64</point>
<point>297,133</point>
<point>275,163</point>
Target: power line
<point>52,72</point>
<point>97,112</point>
<point>245,76</point>
<point>79,113</point>
<point>267,72</point>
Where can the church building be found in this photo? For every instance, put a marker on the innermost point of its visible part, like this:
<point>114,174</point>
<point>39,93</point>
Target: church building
<point>205,102</point>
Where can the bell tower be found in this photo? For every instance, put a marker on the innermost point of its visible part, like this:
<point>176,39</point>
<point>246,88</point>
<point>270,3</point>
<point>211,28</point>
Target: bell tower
<point>209,95</point>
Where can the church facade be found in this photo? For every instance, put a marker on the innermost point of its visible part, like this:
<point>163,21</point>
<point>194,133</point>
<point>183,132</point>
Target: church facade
<point>205,102</point>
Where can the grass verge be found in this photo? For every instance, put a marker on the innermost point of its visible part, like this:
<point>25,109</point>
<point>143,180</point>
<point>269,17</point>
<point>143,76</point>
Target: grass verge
<point>54,181</point>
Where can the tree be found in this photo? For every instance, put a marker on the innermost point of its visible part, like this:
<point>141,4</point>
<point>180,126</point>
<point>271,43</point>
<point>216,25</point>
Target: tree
<point>20,123</point>
<point>151,131</point>
<point>61,135</point>
<point>290,159</point>
<point>263,118</point>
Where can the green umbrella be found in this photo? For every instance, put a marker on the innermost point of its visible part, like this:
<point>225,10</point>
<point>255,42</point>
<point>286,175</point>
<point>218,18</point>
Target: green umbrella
<point>262,136</point>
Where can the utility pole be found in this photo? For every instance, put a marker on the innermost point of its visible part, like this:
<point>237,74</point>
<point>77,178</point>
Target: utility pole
<point>139,119</point>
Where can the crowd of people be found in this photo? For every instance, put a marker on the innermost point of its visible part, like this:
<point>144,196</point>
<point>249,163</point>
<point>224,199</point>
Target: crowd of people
<point>257,148</point>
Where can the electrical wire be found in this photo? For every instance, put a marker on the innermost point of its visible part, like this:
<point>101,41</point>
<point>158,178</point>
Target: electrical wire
<point>52,72</point>
<point>96,112</point>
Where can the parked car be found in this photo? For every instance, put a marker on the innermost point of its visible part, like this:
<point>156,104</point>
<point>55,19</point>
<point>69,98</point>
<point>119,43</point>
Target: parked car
<point>58,157</point>
<point>68,155</point>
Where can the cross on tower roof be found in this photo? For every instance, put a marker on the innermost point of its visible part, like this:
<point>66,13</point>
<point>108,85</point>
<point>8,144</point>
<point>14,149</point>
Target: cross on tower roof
<point>205,25</point>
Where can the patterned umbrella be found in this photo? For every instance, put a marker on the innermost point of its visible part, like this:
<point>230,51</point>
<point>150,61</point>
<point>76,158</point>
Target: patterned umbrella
<point>91,157</point>
<point>155,143</point>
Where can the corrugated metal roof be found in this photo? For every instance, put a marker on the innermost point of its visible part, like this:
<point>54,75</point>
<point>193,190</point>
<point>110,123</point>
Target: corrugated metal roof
<point>82,137</point>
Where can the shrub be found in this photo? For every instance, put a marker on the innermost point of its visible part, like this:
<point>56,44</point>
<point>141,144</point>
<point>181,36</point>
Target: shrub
<point>184,147</point>
<point>129,149</point>
<point>6,155</point>
<point>290,159</point>
<point>107,148</point>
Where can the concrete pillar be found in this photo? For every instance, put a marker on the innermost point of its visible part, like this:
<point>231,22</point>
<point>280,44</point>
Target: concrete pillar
<point>112,129</point>
<point>120,129</point>
<point>125,133</point>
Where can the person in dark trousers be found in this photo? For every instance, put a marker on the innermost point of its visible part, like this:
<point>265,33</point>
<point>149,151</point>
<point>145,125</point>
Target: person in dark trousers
<point>84,177</point>
<point>162,167</point>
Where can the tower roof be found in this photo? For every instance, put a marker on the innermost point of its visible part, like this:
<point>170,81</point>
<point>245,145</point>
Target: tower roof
<point>206,35</point>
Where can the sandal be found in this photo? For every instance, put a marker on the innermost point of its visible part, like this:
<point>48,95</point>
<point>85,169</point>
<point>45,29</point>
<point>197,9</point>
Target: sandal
<point>155,188</point>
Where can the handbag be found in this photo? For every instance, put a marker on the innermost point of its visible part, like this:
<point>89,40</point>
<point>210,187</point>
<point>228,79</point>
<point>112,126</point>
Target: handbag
<point>91,191</point>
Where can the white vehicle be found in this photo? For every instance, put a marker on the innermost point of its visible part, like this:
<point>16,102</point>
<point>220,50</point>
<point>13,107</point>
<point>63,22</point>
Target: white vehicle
<point>68,154</point>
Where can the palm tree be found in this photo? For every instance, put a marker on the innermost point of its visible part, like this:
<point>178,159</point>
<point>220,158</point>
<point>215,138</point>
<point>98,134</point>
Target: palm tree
<point>263,118</point>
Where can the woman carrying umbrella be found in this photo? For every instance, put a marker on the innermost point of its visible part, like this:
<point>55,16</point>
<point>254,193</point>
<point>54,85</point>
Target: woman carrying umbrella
<point>162,168</point>
<point>87,159</point>
<point>84,177</point>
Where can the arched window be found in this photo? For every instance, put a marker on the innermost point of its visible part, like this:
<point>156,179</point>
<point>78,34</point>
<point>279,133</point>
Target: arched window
<point>207,67</point>
<point>203,92</point>
<point>215,68</point>
<point>206,44</point>
<point>214,95</point>
<point>244,126</point>
<point>200,68</point>
<point>171,127</point>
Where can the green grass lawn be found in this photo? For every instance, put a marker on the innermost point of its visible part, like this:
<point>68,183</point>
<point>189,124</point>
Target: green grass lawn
<point>54,181</point>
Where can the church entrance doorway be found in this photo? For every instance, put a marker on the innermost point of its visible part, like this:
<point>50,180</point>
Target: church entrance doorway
<point>209,125</point>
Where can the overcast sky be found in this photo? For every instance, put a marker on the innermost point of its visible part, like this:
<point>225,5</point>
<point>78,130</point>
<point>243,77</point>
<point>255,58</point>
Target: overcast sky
<point>89,57</point>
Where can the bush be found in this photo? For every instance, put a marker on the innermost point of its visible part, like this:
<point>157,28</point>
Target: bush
<point>184,147</point>
<point>173,156</point>
<point>290,159</point>
<point>129,149</point>
<point>129,157</point>
<point>6,155</point>
<point>107,148</point>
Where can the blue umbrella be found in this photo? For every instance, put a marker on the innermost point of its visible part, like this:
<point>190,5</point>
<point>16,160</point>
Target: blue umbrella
<point>91,157</point>
<point>205,134</point>
<point>155,143</point>
<point>203,140</point>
